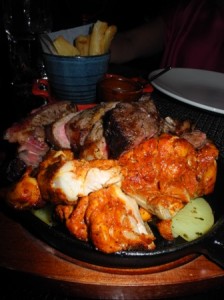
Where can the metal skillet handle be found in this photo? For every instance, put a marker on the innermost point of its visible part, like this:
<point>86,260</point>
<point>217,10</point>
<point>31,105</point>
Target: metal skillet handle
<point>214,247</point>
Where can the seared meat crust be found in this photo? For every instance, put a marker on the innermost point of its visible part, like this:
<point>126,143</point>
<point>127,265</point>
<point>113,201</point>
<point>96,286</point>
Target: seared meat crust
<point>42,116</point>
<point>29,134</point>
<point>80,126</point>
<point>128,124</point>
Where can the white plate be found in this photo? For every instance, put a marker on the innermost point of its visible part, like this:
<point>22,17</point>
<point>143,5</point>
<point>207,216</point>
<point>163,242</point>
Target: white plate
<point>200,88</point>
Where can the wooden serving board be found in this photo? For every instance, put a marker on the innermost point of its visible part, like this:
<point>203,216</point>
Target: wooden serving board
<point>23,252</point>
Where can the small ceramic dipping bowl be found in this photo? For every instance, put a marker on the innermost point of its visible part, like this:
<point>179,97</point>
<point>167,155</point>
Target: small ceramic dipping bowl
<point>115,88</point>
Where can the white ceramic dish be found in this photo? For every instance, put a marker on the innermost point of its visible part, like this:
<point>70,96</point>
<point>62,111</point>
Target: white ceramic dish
<point>200,88</point>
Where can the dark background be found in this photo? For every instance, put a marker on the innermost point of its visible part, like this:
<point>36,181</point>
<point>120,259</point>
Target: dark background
<point>67,14</point>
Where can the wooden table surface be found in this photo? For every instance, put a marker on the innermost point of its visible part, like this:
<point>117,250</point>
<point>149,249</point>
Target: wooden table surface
<point>23,252</point>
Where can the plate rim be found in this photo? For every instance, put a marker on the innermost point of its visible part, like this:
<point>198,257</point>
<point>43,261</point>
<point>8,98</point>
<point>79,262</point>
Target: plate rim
<point>174,94</point>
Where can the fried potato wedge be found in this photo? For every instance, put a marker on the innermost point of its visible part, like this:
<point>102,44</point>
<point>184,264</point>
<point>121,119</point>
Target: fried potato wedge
<point>64,47</point>
<point>108,37</point>
<point>97,42</point>
<point>96,46</point>
<point>82,44</point>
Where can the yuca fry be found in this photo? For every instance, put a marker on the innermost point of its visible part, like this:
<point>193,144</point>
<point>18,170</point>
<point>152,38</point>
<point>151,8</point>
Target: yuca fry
<point>64,47</point>
<point>109,35</point>
<point>96,45</point>
<point>82,44</point>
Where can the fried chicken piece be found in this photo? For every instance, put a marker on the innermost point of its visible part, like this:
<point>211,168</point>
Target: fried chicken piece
<point>54,156</point>
<point>108,218</point>
<point>48,167</point>
<point>74,218</point>
<point>63,181</point>
<point>207,168</point>
<point>164,173</point>
<point>165,229</point>
<point>24,194</point>
<point>114,222</point>
<point>63,212</point>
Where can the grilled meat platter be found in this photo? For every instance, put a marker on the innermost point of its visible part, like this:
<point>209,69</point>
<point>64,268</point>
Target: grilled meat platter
<point>111,173</point>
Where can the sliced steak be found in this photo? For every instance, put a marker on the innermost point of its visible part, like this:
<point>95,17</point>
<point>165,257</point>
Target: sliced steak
<point>128,124</point>
<point>81,125</point>
<point>29,133</point>
<point>196,137</point>
<point>55,132</point>
<point>95,146</point>
<point>42,116</point>
<point>185,129</point>
<point>178,127</point>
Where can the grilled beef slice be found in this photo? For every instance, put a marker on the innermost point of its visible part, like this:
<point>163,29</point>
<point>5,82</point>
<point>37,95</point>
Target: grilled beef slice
<point>55,132</point>
<point>42,116</point>
<point>128,124</point>
<point>80,126</point>
<point>29,133</point>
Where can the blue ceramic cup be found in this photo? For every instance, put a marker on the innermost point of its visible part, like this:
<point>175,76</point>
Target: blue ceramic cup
<point>75,78</point>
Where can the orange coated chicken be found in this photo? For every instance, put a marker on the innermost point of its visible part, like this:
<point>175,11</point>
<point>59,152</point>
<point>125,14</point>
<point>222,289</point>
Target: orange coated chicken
<point>24,194</point>
<point>111,220</point>
<point>164,173</point>
<point>99,200</point>
<point>63,180</point>
<point>73,216</point>
<point>115,223</point>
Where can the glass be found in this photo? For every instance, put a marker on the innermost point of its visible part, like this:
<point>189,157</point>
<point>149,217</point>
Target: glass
<point>23,21</point>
